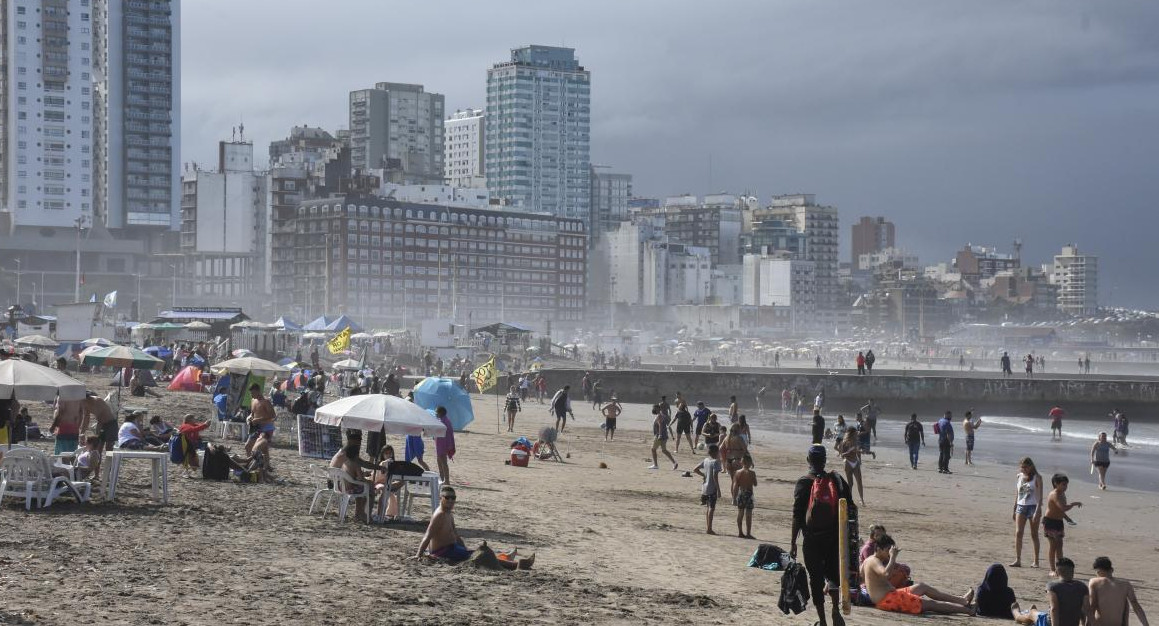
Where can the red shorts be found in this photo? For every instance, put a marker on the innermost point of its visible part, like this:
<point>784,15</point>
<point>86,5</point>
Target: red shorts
<point>901,601</point>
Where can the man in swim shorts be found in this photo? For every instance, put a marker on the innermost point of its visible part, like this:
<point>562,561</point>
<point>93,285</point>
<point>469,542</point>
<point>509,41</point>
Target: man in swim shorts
<point>444,541</point>
<point>913,600</point>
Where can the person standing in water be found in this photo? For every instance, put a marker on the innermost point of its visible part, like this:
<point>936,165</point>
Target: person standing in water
<point>1101,457</point>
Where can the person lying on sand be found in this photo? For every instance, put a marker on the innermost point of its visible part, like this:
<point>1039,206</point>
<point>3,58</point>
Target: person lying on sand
<point>444,541</point>
<point>917,598</point>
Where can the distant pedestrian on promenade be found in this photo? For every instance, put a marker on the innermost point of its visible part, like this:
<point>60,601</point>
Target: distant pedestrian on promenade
<point>1005,363</point>
<point>1027,508</point>
<point>915,439</point>
<point>969,425</point>
<point>1029,365</point>
<point>861,364</point>
<point>760,399</point>
<point>1087,363</point>
<point>945,431</point>
<point>1101,457</point>
<point>870,359</point>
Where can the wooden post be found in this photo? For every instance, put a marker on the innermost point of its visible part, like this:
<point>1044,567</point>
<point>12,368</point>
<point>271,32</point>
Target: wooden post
<point>843,551</point>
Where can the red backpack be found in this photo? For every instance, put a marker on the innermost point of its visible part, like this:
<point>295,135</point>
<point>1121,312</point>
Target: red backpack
<point>822,512</point>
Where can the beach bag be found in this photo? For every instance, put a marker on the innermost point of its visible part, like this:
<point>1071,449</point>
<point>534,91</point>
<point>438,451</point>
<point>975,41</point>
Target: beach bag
<point>822,512</point>
<point>794,590</point>
<point>768,557</point>
<point>937,429</point>
<point>216,464</point>
<point>176,448</point>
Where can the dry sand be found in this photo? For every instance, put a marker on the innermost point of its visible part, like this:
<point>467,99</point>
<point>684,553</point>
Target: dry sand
<point>618,545</point>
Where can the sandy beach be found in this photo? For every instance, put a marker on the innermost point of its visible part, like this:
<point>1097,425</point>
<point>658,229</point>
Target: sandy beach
<point>619,545</point>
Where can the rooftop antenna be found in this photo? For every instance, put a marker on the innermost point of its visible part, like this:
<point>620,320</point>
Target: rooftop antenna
<point>1018,249</point>
<point>241,131</point>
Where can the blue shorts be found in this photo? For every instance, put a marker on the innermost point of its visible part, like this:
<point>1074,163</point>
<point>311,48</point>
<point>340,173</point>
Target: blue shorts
<point>1043,619</point>
<point>455,553</point>
<point>1026,510</point>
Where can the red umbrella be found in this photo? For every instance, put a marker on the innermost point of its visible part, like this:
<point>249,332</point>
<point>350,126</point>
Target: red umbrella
<point>1057,412</point>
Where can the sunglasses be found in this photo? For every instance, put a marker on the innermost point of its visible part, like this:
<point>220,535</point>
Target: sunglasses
<point>449,497</point>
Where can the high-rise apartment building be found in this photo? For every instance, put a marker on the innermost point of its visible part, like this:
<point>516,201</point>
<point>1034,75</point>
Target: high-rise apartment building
<point>819,225</point>
<point>46,113</point>
<point>870,234</point>
<point>1077,277</point>
<point>398,127</point>
<point>714,223</point>
<point>303,140</point>
<point>136,64</point>
<point>463,152</point>
<point>610,195</point>
<point>538,154</point>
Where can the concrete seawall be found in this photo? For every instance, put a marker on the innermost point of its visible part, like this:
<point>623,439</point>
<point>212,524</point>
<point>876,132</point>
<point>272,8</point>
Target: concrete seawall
<point>897,393</point>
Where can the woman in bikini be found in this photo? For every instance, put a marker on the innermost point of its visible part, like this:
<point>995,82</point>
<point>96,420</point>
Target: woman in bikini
<point>850,450</point>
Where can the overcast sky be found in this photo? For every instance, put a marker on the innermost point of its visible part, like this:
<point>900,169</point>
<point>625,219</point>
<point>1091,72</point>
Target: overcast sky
<point>968,121</point>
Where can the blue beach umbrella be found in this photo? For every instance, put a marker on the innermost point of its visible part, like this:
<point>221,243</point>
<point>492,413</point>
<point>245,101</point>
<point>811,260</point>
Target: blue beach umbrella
<point>435,391</point>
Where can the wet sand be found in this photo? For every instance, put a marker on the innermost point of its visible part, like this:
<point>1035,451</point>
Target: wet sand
<point>620,545</point>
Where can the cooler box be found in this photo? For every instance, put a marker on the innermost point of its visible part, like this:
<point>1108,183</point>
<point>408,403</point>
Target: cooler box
<point>519,457</point>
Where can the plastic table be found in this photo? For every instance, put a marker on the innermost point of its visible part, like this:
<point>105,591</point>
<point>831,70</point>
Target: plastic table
<point>430,479</point>
<point>112,472</point>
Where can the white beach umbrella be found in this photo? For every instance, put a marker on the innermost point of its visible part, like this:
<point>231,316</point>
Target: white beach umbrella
<point>348,364</point>
<point>99,342</point>
<point>250,365</point>
<point>25,380</point>
<point>36,341</point>
<point>198,325</point>
<point>377,412</point>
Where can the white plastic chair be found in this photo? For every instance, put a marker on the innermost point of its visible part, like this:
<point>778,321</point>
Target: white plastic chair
<point>28,472</point>
<point>428,490</point>
<point>347,489</point>
<point>228,427</point>
<point>322,487</point>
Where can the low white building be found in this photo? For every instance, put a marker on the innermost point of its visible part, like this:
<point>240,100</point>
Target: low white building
<point>778,280</point>
<point>443,195</point>
<point>674,273</point>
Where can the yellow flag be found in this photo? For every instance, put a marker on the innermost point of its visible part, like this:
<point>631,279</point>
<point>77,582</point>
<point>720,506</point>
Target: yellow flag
<point>485,376</point>
<point>339,342</point>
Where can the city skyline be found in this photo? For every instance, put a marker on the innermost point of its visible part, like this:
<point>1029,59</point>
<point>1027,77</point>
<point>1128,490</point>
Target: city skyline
<point>977,124</point>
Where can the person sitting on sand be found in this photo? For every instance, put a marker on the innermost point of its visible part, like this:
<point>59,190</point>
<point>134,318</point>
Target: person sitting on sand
<point>1070,602</point>
<point>994,597</point>
<point>386,457</point>
<point>88,457</point>
<point>159,431</point>
<point>130,437</point>
<point>444,542</point>
<point>914,600</point>
<point>1111,596</point>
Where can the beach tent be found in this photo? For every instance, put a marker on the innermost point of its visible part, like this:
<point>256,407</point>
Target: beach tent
<point>319,324</point>
<point>435,391</point>
<point>342,323</point>
<point>188,379</point>
<point>285,323</point>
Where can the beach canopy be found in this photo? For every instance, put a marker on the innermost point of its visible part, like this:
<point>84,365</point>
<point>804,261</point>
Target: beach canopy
<point>161,352</point>
<point>285,323</point>
<point>240,352</point>
<point>342,323</point>
<point>197,325</point>
<point>318,324</point>
<point>250,365</point>
<point>25,380</point>
<point>122,356</point>
<point>435,391</point>
<point>348,364</point>
<point>96,341</point>
<point>36,341</point>
<point>188,379</point>
<point>377,412</point>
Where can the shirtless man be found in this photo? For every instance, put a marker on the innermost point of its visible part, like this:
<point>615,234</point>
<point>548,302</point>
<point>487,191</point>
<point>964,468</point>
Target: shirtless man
<point>743,482</point>
<point>106,422</point>
<point>914,600</point>
<point>969,425</point>
<point>443,540</point>
<point>261,417</point>
<point>1111,598</point>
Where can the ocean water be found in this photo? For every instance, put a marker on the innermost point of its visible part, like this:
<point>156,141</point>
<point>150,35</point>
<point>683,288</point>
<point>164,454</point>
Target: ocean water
<point>1005,440</point>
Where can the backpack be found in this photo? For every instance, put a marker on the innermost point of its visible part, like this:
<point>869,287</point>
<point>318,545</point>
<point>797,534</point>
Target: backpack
<point>794,590</point>
<point>937,428</point>
<point>177,448</point>
<point>822,512</point>
<point>216,464</point>
<point>768,557</point>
